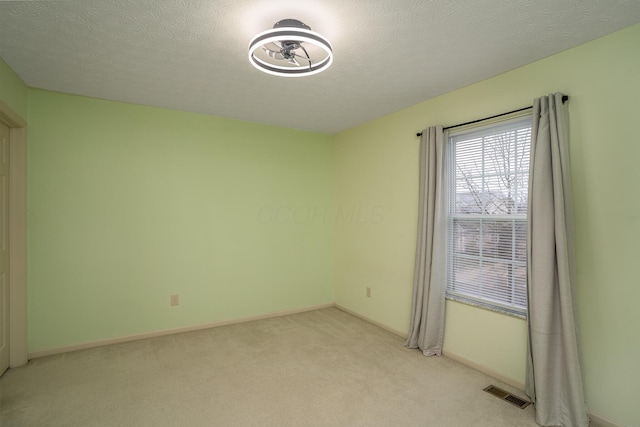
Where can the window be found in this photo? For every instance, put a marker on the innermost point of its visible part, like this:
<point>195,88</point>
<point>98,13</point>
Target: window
<point>487,218</point>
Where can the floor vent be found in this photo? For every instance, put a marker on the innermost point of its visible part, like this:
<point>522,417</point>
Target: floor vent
<point>505,395</point>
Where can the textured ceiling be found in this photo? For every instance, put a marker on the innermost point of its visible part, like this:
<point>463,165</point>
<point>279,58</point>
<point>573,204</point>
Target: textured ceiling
<point>191,55</point>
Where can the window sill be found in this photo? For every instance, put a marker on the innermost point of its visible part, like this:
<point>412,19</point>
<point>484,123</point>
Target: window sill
<point>480,305</point>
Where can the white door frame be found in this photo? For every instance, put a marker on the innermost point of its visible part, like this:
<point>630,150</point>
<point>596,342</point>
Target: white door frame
<point>18,355</point>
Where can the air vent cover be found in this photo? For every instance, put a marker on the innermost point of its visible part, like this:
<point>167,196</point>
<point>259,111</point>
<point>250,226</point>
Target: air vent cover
<point>505,395</point>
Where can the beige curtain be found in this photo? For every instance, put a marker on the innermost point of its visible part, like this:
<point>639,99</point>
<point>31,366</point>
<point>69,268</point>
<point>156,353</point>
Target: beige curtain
<point>427,309</point>
<point>554,380</point>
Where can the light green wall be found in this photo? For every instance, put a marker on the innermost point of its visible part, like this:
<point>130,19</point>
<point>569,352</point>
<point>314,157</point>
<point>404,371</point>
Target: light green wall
<point>13,92</point>
<point>376,164</point>
<point>129,204</point>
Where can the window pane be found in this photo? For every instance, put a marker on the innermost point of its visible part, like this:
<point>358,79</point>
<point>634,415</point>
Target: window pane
<point>520,286</point>
<point>504,283</point>
<point>465,276</point>
<point>468,196</point>
<point>500,194</point>
<point>520,254</point>
<point>496,278</point>
<point>497,239</point>
<point>466,237</point>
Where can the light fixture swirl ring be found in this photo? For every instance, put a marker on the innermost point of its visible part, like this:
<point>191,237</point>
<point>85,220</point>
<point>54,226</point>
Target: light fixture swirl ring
<point>290,37</point>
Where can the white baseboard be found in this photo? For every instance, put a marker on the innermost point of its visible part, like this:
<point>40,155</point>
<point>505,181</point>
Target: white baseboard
<point>118,340</point>
<point>485,370</point>
<point>365,318</point>
<point>598,421</point>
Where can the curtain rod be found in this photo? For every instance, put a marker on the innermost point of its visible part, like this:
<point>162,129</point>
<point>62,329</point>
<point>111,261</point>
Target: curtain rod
<point>565,98</point>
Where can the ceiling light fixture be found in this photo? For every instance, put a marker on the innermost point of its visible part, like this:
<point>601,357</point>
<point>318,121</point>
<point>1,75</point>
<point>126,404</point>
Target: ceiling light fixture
<point>290,49</point>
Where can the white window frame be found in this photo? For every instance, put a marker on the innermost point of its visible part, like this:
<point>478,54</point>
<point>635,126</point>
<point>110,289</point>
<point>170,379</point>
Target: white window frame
<point>480,292</point>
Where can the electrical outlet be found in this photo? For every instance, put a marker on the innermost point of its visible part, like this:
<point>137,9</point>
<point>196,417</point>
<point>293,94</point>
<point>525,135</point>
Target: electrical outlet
<point>175,299</point>
<point>368,292</point>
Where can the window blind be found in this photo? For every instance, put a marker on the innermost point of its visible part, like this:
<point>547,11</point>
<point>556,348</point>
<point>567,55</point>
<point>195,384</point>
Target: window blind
<point>487,218</point>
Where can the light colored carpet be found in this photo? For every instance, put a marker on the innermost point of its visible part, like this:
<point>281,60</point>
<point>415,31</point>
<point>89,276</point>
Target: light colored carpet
<point>320,368</point>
